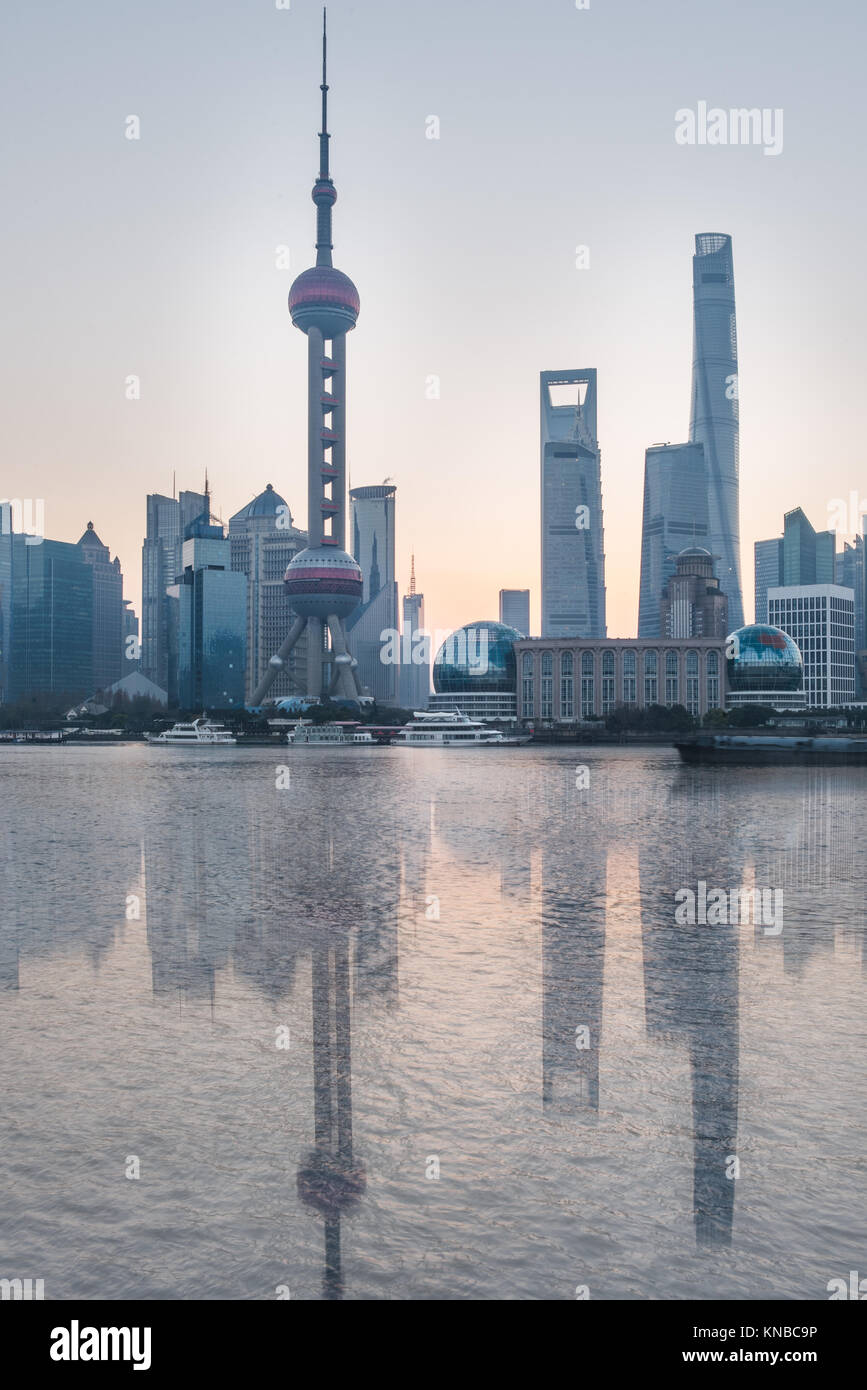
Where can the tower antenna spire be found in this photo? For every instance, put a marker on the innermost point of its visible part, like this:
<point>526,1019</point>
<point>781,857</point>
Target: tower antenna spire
<point>324,137</point>
<point>324,192</point>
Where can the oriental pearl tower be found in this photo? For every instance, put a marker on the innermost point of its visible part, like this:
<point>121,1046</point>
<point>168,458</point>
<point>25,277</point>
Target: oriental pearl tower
<point>323,582</point>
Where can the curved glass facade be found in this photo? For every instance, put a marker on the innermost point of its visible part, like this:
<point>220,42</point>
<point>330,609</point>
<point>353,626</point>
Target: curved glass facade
<point>763,658</point>
<point>479,656</point>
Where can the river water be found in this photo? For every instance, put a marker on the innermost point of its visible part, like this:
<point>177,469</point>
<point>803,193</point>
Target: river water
<point>422,1024</point>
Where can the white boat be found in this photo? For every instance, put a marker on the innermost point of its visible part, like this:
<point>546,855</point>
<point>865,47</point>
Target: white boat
<point>202,733</point>
<point>446,729</point>
<point>322,734</point>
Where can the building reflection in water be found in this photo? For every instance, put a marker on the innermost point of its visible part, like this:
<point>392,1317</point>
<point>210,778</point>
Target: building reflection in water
<point>268,896</point>
<point>691,984</point>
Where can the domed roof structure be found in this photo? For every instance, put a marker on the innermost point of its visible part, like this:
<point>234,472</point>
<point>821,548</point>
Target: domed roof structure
<point>477,657</point>
<point>763,658</point>
<point>265,504</point>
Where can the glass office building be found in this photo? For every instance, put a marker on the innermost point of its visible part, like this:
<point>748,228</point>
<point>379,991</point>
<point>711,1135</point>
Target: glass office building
<point>372,527</point>
<point>675,516</point>
<point>515,609</point>
<point>167,521</point>
<point>573,551</point>
<point>768,573</point>
<point>212,623</point>
<point>46,619</point>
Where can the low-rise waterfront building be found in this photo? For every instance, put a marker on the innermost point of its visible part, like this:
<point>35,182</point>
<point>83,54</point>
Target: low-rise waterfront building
<point>571,679</point>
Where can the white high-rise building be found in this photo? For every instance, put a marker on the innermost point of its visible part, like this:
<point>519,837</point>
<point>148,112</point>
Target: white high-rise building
<point>820,619</point>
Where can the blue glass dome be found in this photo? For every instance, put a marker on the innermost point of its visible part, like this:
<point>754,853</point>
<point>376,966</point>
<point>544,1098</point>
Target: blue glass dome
<point>479,656</point>
<point>763,658</point>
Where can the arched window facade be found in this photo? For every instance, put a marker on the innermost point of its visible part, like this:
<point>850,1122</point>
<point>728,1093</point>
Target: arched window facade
<point>713,680</point>
<point>651,679</point>
<point>546,687</point>
<point>567,686</point>
<point>607,682</point>
<point>588,702</point>
<point>629,682</point>
<point>692,700</point>
<point>527,685</point>
<point>672,692</point>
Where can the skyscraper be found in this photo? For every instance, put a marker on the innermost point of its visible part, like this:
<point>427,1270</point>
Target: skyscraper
<point>372,511</point>
<point>264,542</point>
<point>675,514</point>
<point>515,610</point>
<point>573,554</point>
<point>714,404</point>
<point>212,621</point>
<point>107,610</point>
<point>131,648</point>
<point>167,520</point>
<point>415,650</point>
<point>808,554</point>
<point>800,556</point>
<point>693,604</point>
<point>46,619</point>
<point>323,582</point>
<point>768,573</point>
<point>851,573</point>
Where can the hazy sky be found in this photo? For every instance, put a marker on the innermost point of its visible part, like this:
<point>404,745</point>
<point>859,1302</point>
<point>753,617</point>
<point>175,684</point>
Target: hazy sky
<point>158,257</point>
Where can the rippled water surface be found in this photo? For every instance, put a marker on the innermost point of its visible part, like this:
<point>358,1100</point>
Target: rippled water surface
<point>422,1024</point>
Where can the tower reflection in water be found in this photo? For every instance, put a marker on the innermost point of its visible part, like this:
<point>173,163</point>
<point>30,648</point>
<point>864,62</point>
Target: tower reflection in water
<point>265,899</point>
<point>331,1180</point>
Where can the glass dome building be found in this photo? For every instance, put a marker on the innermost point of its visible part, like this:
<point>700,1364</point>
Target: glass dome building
<point>764,667</point>
<point>475,671</point>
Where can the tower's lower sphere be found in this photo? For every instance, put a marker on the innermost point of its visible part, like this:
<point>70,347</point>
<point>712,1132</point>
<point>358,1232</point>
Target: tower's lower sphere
<point>323,580</point>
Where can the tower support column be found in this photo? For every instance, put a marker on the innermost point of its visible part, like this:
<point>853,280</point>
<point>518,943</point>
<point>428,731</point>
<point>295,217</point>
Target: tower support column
<point>338,424</point>
<point>315,349</point>
<point>314,657</point>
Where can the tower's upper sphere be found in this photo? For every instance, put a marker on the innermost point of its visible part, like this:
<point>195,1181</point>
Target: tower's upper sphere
<point>322,581</point>
<point>324,298</point>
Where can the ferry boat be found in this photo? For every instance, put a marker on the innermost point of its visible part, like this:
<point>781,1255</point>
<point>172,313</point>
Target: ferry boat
<point>773,748</point>
<point>202,733</point>
<point>446,729</point>
<point>331,735</point>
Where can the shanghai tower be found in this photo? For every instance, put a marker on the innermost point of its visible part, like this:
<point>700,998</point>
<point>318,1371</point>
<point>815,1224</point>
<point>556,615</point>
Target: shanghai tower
<point>323,583</point>
<point>713,418</point>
